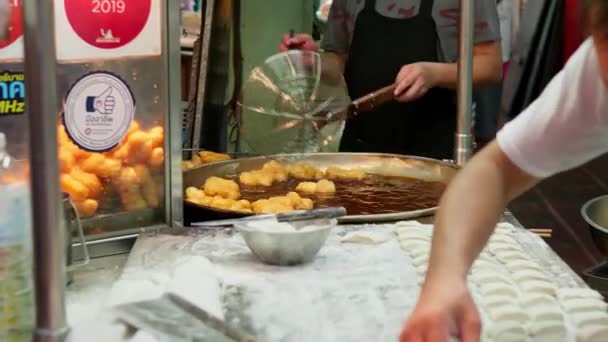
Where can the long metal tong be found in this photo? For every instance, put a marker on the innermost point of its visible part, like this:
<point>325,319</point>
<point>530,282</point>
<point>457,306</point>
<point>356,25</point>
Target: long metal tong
<point>292,216</point>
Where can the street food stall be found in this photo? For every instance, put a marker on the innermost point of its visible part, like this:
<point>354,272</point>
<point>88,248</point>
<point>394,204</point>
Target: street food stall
<point>155,264</point>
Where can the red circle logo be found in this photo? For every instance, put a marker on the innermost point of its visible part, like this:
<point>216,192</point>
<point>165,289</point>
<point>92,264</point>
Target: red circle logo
<point>108,24</point>
<point>15,28</point>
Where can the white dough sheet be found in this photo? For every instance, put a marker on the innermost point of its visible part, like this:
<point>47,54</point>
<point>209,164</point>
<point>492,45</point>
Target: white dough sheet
<point>523,291</point>
<point>350,292</point>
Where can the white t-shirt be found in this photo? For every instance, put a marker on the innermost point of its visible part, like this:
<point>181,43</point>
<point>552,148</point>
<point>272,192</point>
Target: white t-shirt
<point>567,125</point>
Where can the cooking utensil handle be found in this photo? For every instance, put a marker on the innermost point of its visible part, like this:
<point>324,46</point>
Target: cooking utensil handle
<point>311,214</point>
<point>85,249</point>
<point>373,100</point>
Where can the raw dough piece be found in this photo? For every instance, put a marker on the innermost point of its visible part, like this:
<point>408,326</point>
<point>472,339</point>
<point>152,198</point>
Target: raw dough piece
<point>508,313</point>
<point>511,256</point>
<point>538,286</point>
<point>488,277</point>
<point>480,264</point>
<point>534,299</point>
<point>498,247</point>
<point>548,331</point>
<point>419,250</point>
<point>492,302</point>
<point>515,265</point>
<point>584,305</point>
<point>541,313</point>
<point>421,270</point>
<point>421,260</point>
<point>417,231</point>
<point>498,289</point>
<point>419,238</point>
<point>526,275</point>
<point>504,238</point>
<point>409,245</point>
<point>593,333</point>
<point>363,237</point>
<point>506,331</point>
<point>570,293</point>
<point>409,224</point>
<point>582,319</point>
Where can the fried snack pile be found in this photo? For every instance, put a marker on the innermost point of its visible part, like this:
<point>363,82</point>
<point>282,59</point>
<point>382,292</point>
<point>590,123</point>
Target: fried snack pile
<point>281,204</point>
<point>132,171</point>
<point>323,186</point>
<point>225,194</point>
<point>337,173</point>
<point>219,193</point>
<point>204,157</point>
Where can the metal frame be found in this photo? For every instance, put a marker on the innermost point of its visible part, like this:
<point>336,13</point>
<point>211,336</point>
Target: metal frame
<point>464,138</point>
<point>201,87</point>
<point>173,115</point>
<point>49,251</point>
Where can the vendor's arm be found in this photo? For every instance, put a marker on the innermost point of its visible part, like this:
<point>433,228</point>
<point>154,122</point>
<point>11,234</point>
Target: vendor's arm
<point>414,80</point>
<point>564,128</point>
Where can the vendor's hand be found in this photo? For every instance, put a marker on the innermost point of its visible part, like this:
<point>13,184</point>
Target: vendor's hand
<point>444,309</point>
<point>298,41</point>
<point>414,80</point>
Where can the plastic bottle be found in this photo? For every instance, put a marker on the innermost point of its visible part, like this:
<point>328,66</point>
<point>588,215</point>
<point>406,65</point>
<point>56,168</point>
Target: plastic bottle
<point>16,294</point>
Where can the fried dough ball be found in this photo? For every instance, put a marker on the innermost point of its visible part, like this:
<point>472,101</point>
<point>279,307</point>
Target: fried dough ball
<point>278,170</point>
<point>212,157</point>
<point>323,186</point>
<point>307,187</point>
<point>148,186</point>
<point>157,157</point>
<point>222,203</point>
<point>132,199</point>
<point>304,171</point>
<point>300,203</point>
<point>101,165</point>
<point>265,206</point>
<point>192,192</point>
<point>89,180</point>
<point>197,196</point>
<point>282,200</point>
<point>337,173</point>
<point>86,208</point>
<point>157,136</point>
<point>66,159</point>
<point>255,178</point>
<point>140,147</point>
<point>78,191</point>
<point>187,164</point>
<point>241,205</point>
<point>215,186</point>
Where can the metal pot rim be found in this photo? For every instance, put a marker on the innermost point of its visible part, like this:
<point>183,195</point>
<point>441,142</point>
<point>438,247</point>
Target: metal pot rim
<point>586,217</point>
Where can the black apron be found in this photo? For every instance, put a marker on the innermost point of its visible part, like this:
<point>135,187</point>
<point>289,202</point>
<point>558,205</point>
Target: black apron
<point>379,48</point>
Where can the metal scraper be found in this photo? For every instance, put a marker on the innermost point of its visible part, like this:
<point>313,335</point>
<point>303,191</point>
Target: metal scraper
<point>173,318</point>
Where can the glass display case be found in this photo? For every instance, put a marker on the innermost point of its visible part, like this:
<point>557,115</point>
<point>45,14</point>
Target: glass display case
<point>119,110</point>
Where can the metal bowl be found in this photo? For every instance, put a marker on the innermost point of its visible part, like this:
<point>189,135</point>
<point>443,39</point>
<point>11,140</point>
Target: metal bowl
<point>595,212</point>
<point>287,248</point>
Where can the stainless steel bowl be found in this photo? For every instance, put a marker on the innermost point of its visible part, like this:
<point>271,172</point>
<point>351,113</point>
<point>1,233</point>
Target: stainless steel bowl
<point>287,248</point>
<point>595,212</point>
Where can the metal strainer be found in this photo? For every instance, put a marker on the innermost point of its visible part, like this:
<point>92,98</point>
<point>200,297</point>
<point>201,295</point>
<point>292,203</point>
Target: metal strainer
<point>292,104</point>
